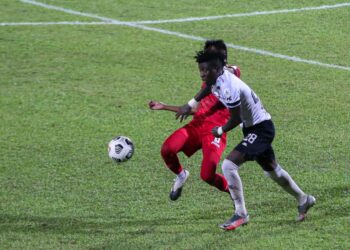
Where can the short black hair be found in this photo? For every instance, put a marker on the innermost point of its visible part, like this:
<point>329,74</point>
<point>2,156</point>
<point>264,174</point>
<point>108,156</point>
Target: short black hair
<point>218,44</point>
<point>214,58</point>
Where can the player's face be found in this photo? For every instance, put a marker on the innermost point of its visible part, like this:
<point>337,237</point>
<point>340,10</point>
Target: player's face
<point>207,73</point>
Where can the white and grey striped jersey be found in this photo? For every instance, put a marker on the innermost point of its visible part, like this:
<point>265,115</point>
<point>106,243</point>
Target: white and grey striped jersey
<point>232,92</point>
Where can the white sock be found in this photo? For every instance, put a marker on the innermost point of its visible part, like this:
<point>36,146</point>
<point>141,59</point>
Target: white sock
<point>230,171</point>
<point>182,174</point>
<point>282,178</point>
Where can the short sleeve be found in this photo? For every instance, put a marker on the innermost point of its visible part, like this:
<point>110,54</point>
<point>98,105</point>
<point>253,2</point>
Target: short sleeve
<point>230,95</point>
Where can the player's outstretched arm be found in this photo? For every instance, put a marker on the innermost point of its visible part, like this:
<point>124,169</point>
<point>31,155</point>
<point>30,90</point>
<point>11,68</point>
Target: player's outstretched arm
<point>234,121</point>
<point>155,105</point>
<point>185,110</point>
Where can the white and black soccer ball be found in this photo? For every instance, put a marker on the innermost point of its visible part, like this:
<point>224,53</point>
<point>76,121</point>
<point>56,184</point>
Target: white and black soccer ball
<point>120,149</point>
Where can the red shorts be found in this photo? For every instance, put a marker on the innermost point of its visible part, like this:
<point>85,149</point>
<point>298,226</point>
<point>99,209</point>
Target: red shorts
<point>190,139</point>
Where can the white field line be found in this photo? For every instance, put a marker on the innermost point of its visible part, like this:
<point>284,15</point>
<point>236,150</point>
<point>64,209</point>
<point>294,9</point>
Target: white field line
<point>52,23</point>
<point>177,34</point>
<point>189,19</point>
<point>73,12</point>
<point>256,13</point>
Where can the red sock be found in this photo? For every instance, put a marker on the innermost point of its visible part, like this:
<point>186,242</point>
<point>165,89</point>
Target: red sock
<point>221,183</point>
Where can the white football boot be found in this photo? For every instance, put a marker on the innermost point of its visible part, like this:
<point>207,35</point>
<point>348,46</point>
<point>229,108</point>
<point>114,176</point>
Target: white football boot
<point>176,190</point>
<point>310,202</point>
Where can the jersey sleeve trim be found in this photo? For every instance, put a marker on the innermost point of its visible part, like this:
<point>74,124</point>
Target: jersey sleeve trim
<point>233,104</point>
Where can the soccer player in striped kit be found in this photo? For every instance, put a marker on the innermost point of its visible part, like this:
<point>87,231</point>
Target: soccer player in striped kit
<point>258,130</point>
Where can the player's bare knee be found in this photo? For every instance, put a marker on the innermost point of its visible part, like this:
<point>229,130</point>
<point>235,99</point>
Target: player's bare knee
<point>268,165</point>
<point>236,157</point>
<point>275,173</point>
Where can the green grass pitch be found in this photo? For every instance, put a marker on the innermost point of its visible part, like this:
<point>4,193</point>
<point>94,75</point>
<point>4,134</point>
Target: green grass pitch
<point>66,90</point>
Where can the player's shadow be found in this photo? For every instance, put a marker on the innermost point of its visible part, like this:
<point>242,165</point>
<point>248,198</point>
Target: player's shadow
<point>80,225</point>
<point>329,201</point>
<point>332,201</point>
<point>30,223</point>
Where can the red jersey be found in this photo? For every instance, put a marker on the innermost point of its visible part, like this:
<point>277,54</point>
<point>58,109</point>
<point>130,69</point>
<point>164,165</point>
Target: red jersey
<point>210,113</point>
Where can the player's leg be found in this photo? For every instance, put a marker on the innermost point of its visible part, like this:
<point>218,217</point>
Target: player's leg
<point>180,140</point>
<point>252,144</point>
<point>171,147</point>
<point>230,167</point>
<point>212,149</point>
<point>273,170</point>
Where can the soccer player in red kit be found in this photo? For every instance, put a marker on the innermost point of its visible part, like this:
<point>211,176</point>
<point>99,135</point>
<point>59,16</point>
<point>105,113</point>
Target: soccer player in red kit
<point>197,135</point>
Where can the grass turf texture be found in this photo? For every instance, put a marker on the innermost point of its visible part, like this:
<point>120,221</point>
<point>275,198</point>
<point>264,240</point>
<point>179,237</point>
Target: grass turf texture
<point>65,91</point>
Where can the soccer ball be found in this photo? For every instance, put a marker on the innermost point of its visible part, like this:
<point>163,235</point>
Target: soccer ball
<point>120,149</point>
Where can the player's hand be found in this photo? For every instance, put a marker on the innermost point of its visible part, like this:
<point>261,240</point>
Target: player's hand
<point>214,131</point>
<point>155,105</point>
<point>184,112</point>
